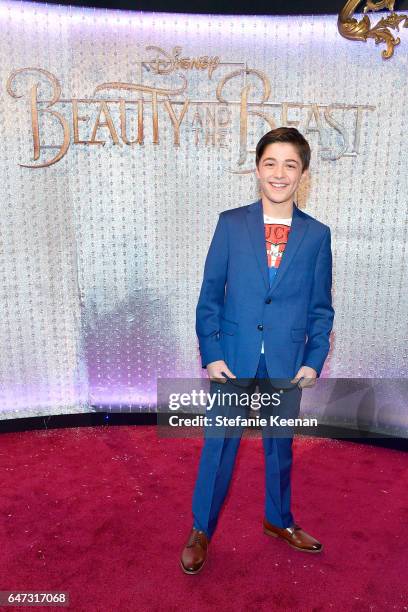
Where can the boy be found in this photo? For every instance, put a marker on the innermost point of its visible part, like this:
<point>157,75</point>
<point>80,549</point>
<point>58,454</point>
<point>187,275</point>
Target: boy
<point>265,314</point>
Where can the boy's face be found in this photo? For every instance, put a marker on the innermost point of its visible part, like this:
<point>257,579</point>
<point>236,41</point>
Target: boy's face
<point>279,172</point>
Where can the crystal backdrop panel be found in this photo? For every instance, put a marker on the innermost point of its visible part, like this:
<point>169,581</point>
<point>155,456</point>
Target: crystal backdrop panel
<point>144,127</point>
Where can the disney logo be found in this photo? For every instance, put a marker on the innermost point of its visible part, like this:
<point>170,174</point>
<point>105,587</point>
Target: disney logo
<point>164,63</point>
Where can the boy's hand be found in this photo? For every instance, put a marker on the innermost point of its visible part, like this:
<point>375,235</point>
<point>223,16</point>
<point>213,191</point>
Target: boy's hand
<point>215,370</point>
<point>306,377</point>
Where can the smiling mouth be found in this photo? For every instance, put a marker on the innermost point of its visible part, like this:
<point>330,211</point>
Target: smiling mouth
<point>278,185</point>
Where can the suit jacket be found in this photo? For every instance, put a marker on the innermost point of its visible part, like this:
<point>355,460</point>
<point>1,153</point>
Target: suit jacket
<point>237,308</point>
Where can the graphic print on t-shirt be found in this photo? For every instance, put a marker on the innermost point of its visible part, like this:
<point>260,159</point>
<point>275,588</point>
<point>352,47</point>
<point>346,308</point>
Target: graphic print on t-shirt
<point>276,236</point>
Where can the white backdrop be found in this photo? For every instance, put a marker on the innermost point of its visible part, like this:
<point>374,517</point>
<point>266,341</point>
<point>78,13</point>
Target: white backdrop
<point>102,251</point>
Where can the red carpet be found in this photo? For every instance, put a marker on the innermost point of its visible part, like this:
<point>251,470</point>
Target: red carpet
<point>104,512</point>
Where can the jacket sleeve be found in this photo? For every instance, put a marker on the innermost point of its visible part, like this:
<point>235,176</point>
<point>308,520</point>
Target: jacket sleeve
<point>212,294</point>
<point>320,312</point>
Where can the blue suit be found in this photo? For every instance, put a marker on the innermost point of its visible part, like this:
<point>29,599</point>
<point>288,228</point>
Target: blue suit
<point>294,316</point>
<point>238,309</point>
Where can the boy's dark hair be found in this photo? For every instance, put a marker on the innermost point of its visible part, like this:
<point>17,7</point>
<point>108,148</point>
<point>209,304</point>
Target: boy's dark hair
<point>285,134</point>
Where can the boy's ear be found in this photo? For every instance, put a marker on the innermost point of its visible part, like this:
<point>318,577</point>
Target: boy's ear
<point>305,175</point>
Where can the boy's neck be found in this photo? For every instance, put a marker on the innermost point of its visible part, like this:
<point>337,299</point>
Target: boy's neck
<point>279,211</point>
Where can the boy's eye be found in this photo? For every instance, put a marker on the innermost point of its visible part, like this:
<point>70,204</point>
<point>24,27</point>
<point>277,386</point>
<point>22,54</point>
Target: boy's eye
<point>288,165</point>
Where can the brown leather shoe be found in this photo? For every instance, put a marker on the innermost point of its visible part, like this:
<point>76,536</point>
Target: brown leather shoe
<point>194,553</point>
<point>294,536</point>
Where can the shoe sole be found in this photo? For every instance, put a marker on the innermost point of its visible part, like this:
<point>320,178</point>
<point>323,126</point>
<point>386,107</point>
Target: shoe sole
<point>192,572</point>
<point>275,535</point>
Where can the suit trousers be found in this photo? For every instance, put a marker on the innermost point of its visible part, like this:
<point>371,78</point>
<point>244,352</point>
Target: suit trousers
<point>221,444</point>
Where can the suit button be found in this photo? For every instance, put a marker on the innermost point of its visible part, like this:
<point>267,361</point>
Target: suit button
<point>268,301</point>
<point>260,327</point>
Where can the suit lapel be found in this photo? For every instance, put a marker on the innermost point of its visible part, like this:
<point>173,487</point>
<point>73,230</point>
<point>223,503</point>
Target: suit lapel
<point>257,232</point>
<point>297,231</point>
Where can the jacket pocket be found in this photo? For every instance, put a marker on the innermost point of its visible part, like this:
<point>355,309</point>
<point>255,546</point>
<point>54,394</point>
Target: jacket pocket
<point>298,334</point>
<point>228,327</point>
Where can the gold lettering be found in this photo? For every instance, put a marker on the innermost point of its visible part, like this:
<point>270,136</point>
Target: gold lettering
<point>75,119</point>
<point>154,91</point>
<point>210,126</point>
<point>356,140</point>
<point>107,123</point>
<point>220,123</point>
<point>209,121</point>
<point>35,111</point>
<point>123,131</point>
<point>214,62</point>
<point>163,63</point>
<point>160,65</point>
<point>176,122</point>
<point>223,110</point>
<point>155,118</point>
<point>285,107</point>
<point>197,119</point>
<point>314,113</point>
<point>244,112</point>
<point>338,127</point>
